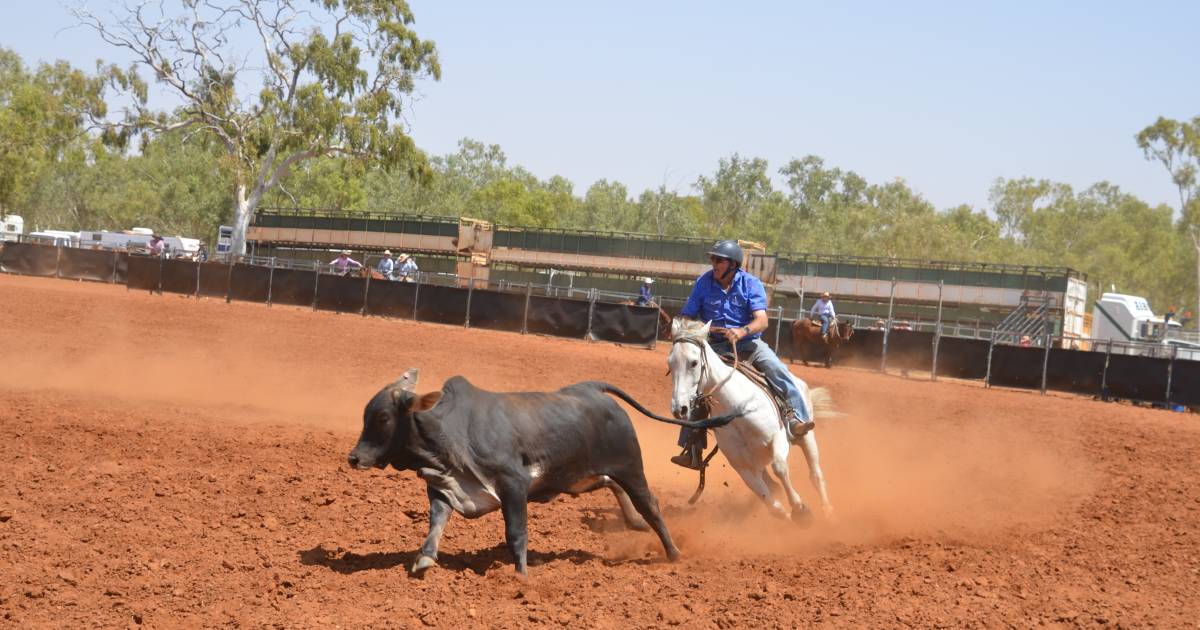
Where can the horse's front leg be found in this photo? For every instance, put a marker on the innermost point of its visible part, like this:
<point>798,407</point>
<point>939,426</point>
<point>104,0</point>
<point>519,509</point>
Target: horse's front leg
<point>754,479</point>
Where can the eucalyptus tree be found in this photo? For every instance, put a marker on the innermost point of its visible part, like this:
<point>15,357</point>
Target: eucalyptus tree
<point>43,120</point>
<point>315,79</point>
<point>1176,145</point>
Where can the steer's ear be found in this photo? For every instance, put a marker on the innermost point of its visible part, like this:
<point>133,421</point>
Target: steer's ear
<point>425,402</point>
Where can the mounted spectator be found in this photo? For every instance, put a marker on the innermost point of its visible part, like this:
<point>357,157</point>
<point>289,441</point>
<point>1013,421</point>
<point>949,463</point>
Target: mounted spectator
<point>1025,342</point>
<point>387,266</point>
<point>157,245</point>
<point>823,311</point>
<point>408,268</point>
<point>644,297</point>
<point>344,263</point>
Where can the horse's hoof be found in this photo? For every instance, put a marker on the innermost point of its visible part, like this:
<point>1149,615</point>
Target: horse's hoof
<point>802,516</point>
<point>423,562</point>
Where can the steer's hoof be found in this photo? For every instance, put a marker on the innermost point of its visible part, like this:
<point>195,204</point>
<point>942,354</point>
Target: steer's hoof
<point>802,516</point>
<point>422,563</point>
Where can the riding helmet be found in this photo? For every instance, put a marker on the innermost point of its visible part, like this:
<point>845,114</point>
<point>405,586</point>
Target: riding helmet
<point>728,249</point>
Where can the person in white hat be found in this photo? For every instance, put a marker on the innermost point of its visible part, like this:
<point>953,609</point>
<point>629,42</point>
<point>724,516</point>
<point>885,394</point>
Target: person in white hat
<point>407,267</point>
<point>387,266</point>
<point>644,297</point>
<point>344,263</point>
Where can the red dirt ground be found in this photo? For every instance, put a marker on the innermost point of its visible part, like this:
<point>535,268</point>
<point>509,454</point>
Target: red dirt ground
<point>171,462</point>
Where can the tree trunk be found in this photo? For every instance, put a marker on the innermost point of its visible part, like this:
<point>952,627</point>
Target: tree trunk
<point>1195,233</point>
<point>243,210</point>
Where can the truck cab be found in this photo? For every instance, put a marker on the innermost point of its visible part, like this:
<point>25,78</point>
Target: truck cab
<point>11,228</point>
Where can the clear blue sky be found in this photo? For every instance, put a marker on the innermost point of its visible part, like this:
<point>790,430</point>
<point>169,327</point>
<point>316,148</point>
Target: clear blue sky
<point>948,96</point>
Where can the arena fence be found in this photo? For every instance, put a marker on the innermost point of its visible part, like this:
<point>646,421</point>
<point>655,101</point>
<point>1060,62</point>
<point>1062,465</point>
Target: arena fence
<point>1104,369</point>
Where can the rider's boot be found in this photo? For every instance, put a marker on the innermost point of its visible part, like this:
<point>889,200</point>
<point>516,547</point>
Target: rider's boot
<point>796,427</point>
<point>692,457</point>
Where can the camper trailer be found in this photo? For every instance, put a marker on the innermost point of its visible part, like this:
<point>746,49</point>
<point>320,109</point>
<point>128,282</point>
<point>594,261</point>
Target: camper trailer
<point>12,228</point>
<point>57,238</point>
<point>138,240</point>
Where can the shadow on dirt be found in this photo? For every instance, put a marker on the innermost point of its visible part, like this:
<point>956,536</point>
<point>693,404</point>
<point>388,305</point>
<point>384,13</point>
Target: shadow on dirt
<point>478,562</point>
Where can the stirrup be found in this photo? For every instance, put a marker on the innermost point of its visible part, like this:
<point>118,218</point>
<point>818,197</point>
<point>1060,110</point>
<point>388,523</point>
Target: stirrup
<point>691,458</point>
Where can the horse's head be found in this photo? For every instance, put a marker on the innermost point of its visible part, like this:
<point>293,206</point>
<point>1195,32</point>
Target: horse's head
<point>689,342</point>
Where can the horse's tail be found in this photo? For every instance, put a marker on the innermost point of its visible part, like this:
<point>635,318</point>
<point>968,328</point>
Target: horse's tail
<point>822,404</point>
<point>709,423</point>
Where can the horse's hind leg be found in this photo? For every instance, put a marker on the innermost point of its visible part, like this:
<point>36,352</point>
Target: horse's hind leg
<point>800,512</point>
<point>813,456</point>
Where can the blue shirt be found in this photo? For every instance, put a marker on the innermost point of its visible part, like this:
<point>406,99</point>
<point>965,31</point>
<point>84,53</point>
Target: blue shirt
<point>645,294</point>
<point>726,309</point>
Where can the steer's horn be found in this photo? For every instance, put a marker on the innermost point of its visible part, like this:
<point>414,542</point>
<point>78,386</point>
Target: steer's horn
<point>408,380</point>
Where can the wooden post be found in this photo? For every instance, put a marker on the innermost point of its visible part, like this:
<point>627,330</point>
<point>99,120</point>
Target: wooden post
<point>525,318</point>
<point>271,283</point>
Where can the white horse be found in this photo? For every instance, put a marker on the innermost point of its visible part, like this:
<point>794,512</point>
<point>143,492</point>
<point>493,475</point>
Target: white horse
<point>757,438</point>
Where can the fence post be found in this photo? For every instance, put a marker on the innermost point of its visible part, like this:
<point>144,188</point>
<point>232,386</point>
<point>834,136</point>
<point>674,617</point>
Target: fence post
<point>366,294</point>
<point>987,378</point>
<point>416,295</point>
<point>116,262</point>
<point>887,331</point>
<point>525,317</point>
<point>58,262</point>
<point>229,281</point>
<point>160,272</point>
<point>470,292</point>
<point>591,311</point>
<point>271,284</point>
<point>1170,370</point>
<point>1046,362</point>
<point>198,264</point>
<point>1104,375</point>
<point>937,333</point>
<point>316,283</point>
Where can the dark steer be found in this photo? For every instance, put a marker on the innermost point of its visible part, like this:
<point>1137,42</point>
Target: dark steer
<point>478,451</point>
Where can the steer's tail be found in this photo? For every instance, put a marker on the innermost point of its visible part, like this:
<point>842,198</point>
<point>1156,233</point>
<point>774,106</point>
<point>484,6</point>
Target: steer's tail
<point>710,423</point>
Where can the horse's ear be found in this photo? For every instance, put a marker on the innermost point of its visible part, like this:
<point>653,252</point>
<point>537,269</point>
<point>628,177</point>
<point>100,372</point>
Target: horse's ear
<point>704,330</point>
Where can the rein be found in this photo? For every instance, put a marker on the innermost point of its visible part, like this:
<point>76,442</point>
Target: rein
<point>701,395</point>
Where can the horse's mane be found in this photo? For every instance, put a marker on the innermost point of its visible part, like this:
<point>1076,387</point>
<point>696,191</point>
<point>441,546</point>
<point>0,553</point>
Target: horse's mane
<point>690,330</point>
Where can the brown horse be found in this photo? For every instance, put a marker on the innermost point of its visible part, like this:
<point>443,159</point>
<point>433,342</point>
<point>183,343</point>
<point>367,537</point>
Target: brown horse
<point>806,332</point>
<point>664,319</point>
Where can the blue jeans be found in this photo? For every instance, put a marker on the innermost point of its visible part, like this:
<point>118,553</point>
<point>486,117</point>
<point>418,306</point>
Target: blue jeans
<point>759,354</point>
<point>824,324</point>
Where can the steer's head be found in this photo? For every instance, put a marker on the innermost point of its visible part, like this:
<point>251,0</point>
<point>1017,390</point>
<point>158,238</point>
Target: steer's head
<point>387,422</point>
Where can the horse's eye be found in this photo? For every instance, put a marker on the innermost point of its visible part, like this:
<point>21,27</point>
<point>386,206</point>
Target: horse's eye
<point>692,363</point>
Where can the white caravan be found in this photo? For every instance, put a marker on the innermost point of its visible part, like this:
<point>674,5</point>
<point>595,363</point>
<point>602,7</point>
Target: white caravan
<point>12,227</point>
<point>138,239</point>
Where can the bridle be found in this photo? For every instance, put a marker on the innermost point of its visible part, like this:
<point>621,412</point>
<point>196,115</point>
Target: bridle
<point>701,397</point>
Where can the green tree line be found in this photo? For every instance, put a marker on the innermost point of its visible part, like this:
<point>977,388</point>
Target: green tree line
<point>58,171</point>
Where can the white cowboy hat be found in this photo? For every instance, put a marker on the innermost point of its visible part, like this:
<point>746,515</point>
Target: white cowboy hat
<point>648,280</point>
<point>387,252</point>
<point>345,252</point>
<point>402,256</point>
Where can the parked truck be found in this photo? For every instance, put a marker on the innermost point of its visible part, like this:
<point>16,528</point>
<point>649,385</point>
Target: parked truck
<point>1130,326</point>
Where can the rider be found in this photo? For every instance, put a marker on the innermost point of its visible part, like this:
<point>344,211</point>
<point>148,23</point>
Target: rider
<point>387,266</point>
<point>823,310</point>
<point>734,300</point>
<point>644,297</point>
<point>344,263</point>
